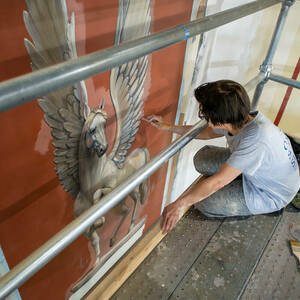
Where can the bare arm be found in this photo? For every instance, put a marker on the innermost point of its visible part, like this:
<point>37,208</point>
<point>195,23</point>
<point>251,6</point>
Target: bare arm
<point>201,191</point>
<point>206,134</point>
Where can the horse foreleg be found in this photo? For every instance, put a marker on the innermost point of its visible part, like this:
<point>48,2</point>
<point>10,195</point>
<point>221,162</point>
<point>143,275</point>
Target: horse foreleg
<point>93,236</point>
<point>124,210</point>
<point>144,190</point>
<point>96,198</point>
<point>136,196</point>
<point>99,222</point>
<point>100,193</point>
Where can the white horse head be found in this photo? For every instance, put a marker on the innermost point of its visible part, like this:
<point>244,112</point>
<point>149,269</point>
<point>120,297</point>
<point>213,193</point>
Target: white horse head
<point>93,134</point>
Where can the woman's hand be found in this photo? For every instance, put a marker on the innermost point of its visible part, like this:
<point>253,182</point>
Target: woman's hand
<point>157,122</point>
<point>171,215</point>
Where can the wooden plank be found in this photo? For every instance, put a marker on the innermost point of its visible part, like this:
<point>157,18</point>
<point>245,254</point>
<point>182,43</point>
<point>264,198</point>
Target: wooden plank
<point>295,245</point>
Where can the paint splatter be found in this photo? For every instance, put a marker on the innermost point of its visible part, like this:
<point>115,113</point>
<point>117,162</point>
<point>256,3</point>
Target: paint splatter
<point>219,281</point>
<point>195,275</point>
<point>161,248</point>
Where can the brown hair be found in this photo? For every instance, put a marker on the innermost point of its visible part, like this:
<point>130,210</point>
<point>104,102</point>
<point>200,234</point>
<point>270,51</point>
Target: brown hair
<point>224,101</point>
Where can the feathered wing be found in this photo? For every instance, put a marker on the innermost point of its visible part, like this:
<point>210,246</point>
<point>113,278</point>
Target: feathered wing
<point>66,110</point>
<point>127,81</point>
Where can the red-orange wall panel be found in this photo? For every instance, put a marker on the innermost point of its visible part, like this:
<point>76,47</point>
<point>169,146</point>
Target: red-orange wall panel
<point>34,207</point>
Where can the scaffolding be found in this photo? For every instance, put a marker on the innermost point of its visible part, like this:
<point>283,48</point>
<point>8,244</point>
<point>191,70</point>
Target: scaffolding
<point>28,87</point>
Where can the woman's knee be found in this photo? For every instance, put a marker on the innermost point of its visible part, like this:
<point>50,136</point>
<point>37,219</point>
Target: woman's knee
<point>209,159</point>
<point>200,160</point>
<point>206,211</point>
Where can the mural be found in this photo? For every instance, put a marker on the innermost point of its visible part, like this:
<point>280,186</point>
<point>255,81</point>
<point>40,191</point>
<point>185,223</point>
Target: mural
<point>84,168</point>
<point>35,204</point>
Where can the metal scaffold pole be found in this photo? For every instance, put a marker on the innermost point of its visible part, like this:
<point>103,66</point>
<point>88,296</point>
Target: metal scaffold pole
<point>266,67</point>
<point>31,86</point>
<point>286,81</point>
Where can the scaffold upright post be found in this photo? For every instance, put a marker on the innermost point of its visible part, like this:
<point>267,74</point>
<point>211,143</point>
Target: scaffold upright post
<point>266,66</point>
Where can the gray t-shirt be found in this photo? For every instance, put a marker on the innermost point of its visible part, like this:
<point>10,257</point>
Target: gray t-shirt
<point>263,153</point>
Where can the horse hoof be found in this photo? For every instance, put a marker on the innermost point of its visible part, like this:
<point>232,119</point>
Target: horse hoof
<point>130,228</point>
<point>111,242</point>
<point>99,222</point>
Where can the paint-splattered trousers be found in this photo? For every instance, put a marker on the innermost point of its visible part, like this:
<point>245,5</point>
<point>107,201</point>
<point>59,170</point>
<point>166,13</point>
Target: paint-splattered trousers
<point>228,201</point>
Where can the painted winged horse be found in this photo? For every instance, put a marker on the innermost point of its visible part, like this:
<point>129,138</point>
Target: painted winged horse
<point>82,165</point>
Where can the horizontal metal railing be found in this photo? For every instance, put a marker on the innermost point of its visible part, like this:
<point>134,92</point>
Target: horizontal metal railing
<point>28,87</point>
<point>31,86</point>
<point>284,80</point>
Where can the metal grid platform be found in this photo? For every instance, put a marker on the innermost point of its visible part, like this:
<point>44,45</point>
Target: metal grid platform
<point>161,272</point>
<point>277,275</point>
<point>222,269</point>
<point>213,259</point>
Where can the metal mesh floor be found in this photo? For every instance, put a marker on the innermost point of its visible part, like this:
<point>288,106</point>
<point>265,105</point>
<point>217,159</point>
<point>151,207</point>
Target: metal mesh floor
<point>213,259</point>
<point>161,272</point>
<point>277,275</point>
